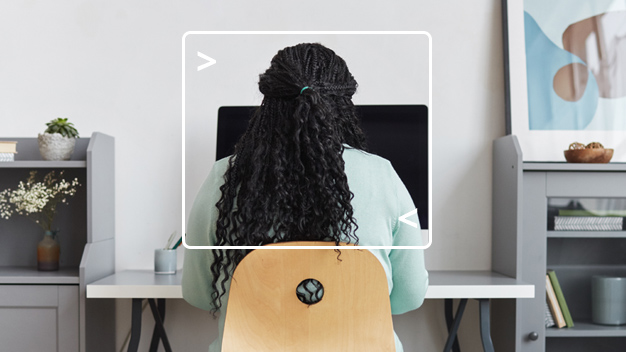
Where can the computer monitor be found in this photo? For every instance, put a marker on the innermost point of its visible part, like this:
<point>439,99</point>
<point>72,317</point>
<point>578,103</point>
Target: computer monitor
<point>398,133</point>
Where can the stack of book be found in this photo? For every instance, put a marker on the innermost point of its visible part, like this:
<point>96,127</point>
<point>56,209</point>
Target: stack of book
<point>8,149</point>
<point>585,220</point>
<point>557,313</point>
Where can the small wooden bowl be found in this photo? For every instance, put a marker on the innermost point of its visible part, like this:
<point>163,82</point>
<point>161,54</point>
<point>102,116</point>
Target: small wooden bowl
<point>591,155</point>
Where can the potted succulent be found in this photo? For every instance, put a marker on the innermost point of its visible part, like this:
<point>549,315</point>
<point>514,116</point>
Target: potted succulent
<point>58,141</point>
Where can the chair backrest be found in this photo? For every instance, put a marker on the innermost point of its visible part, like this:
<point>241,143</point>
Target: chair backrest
<point>265,314</point>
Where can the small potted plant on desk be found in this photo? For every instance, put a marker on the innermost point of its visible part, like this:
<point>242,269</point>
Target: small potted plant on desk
<point>58,141</point>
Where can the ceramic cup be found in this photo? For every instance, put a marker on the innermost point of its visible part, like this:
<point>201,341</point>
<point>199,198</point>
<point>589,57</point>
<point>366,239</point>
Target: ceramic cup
<point>165,261</point>
<point>608,300</point>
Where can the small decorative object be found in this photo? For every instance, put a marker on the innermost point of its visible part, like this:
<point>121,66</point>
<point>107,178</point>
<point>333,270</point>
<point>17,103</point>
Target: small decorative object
<point>48,252</point>
<point>39,200</point>
<point>58,141</point>
<point>165,261</point>
<point>593,152</point>
<point>165,258</point>
<point>608,300</point>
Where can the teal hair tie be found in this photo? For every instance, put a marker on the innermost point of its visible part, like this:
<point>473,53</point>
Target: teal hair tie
<point>307,87</point>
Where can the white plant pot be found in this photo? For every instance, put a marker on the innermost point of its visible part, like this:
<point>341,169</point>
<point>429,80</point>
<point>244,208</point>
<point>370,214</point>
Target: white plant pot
<point>55,146</point>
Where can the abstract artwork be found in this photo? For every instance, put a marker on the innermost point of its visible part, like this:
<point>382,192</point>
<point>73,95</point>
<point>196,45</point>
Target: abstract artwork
<point>573,64</point>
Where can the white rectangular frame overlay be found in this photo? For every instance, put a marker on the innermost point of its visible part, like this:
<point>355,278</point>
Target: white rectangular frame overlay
<point>430,135</point>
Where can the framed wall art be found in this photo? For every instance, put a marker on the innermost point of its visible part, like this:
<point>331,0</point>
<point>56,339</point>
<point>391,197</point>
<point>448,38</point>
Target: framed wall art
<point>565,66</point>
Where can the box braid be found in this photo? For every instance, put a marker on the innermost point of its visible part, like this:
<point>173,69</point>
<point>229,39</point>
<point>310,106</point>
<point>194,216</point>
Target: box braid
<point>286,179</point>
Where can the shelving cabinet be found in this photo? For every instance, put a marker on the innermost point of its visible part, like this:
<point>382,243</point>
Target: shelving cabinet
<point>48,311</point>
<point>525,245</point>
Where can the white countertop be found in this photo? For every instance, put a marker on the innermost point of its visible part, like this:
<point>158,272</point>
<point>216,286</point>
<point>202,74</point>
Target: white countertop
<point>442,284</point>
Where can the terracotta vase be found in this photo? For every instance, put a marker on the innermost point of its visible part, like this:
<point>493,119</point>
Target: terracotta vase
<point>48,251</point>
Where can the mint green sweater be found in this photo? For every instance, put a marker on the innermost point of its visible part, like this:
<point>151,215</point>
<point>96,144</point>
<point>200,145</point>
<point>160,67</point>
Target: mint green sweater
<point>380,198</point>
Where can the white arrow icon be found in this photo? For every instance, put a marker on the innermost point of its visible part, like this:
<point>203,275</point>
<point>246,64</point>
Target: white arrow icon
<point>404,220</point>
<point>210,62</point>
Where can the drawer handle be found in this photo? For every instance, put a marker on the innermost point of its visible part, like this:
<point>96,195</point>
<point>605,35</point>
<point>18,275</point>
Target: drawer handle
<point>533,336</point>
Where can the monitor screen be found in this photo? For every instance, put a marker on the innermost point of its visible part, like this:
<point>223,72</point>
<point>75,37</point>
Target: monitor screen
<point>398,133</point>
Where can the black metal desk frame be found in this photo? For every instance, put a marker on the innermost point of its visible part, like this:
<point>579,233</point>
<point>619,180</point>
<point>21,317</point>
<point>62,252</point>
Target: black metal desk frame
<point>453,322</point>
<point>158,334</point>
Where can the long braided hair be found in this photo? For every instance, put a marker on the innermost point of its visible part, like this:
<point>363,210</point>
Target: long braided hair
<point>286,179</point>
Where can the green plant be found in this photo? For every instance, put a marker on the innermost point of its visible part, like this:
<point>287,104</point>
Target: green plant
<point>62,127</point>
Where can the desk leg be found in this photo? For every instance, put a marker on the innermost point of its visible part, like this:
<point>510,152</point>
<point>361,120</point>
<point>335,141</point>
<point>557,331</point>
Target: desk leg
<point>135,330</point>
<point>453,326</point>
<point>159,325</point>
<point>485,325</point>
<point>154,344</point>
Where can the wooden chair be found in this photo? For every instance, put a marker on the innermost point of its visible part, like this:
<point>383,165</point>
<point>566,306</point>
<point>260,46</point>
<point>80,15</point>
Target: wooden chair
<point>265,314</point>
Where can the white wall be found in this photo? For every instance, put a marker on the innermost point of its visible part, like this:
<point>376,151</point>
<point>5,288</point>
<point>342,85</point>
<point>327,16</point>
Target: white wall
<point>114,67</point>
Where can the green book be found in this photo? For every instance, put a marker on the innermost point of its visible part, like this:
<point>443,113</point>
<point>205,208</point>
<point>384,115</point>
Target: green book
<point>559,296</point>
<point>579,212</point>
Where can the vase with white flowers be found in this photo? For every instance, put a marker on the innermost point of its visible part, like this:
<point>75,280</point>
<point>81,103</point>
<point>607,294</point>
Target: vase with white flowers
<point>38,200</point>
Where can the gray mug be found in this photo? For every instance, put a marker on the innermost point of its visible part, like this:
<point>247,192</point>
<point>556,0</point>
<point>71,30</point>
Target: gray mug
<point>608,300</point>
<point>165,261</point>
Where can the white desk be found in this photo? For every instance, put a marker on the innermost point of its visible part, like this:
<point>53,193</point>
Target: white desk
<point>137,283</point>
<point>442,285</point>
<point>476,284</point>
<point>480,285</point>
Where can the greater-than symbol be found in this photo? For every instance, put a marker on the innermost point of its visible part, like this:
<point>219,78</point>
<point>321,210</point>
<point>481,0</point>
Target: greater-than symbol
<point>210,62</point>
<point>404,220</point>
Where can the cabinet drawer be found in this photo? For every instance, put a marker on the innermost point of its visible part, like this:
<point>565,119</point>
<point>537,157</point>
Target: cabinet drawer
<point>586,184</point>
<point>29,296</point>
<point>41,318</point>
<point>29,329</point>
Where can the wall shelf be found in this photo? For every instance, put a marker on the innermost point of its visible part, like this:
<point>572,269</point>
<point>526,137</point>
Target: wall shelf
<point>586,234</point>
<point>587,329</point>
<point>21,275</point>
<point>24,164</point>
<point>564,166</point>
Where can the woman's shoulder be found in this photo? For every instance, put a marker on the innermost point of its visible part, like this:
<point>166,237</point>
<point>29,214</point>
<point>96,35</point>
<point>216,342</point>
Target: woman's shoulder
<point>222,164</point>
<point>365,159</point>
<point>214,180</point>
<point>218,170</point>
